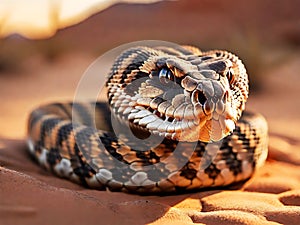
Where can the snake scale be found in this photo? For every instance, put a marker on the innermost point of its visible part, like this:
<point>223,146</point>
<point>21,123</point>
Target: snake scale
<point>174,121</point>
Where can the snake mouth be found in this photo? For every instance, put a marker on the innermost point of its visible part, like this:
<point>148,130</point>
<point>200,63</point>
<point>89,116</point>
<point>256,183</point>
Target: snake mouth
<point>151,120</point>
<point>145,121</point>
<point>161,115</point>
<point>144,126</point>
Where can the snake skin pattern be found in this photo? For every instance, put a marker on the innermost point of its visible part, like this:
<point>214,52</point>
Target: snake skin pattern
<point>174,122</point>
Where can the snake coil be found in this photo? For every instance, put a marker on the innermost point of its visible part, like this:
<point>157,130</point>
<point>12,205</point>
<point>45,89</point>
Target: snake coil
<point>190,103</point>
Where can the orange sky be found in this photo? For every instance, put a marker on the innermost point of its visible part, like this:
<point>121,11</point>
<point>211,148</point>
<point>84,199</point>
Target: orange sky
<point>41,18</point>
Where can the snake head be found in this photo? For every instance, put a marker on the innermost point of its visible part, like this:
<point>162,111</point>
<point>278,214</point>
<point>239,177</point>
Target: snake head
<point>182,94</point>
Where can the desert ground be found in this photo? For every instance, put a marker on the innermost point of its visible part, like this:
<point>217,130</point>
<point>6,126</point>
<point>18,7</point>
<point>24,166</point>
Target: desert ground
<point>40,71</point>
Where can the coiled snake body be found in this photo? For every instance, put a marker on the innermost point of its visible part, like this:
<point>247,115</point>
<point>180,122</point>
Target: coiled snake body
<point>174,122</point>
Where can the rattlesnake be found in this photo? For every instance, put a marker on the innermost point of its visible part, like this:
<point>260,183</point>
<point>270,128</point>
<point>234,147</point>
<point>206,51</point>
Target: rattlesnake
<point>174,122</point>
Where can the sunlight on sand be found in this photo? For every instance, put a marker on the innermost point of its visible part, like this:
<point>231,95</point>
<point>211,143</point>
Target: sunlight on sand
<point>42,18</point>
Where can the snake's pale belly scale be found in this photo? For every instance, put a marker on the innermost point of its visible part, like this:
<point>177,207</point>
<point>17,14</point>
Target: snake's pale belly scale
<point>185,98</point>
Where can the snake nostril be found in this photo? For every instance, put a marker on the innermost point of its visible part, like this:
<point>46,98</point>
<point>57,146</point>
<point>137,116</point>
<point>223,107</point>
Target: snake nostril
<point>201,97</point>
<point>225,97</point>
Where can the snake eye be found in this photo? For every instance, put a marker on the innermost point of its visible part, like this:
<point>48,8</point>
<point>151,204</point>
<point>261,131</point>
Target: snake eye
<point>230,76</point>
<point>165,75</point>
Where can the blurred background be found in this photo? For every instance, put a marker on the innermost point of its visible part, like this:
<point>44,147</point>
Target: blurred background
<point>45,48</point>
